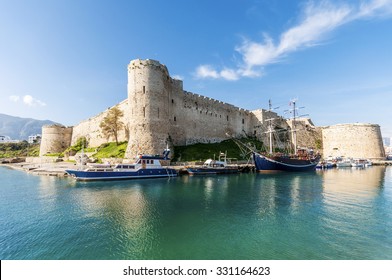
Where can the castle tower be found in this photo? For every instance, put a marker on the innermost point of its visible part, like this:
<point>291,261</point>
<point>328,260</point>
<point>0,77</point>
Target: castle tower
<point>357,140</point>
<point>149,90</point>
<point>55,139</point>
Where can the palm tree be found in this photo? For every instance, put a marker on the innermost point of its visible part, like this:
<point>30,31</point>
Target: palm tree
<point>112,124</point>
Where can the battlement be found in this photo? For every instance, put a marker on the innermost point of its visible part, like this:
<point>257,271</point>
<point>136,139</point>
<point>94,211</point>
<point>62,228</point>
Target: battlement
<point>158,111</point>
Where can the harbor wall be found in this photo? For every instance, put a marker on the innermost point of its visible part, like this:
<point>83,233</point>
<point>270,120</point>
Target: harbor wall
<point>358,140</point>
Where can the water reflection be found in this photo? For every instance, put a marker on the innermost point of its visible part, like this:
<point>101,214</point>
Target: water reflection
<point>320,215</point>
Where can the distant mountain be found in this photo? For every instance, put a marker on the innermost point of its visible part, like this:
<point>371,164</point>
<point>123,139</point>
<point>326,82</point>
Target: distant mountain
<point>20,128</point>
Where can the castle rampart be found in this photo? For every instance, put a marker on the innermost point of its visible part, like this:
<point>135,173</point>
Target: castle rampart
<point>358,140</point>
<point>158,112</point>
<point>55,139</point>
<point>92,132</point>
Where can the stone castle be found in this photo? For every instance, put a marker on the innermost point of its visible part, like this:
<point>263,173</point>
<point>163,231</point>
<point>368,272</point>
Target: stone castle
<point>158,112</point>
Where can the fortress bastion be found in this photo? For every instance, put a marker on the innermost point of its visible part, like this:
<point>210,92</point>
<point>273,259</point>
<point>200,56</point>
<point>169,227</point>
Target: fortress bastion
<point>158,111</point>
<point>357,140</point>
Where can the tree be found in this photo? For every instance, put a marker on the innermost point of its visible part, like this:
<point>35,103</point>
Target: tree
<point>112,124</point>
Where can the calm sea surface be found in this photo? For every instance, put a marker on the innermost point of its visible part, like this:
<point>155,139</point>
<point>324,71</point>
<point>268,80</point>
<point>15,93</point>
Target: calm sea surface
<point>335,214</point>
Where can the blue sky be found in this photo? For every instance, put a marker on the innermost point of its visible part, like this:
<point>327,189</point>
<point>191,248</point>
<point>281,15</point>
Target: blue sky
<point>67,60</point>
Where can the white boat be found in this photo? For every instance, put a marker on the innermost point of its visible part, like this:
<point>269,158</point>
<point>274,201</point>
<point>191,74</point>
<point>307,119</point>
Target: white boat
<point>344,163</point>
<point>359,163</point>
<point>145,166</point>
<point>368,163</point>
<point>211,166</point>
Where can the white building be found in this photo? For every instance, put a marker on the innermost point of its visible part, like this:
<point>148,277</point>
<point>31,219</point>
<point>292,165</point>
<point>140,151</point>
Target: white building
<point>34,139</point>
<point>7,139</point>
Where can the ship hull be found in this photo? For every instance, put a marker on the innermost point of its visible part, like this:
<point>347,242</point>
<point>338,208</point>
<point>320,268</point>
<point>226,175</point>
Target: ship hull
<point>263,163</point>
<point>211,171</point>
<point>81,175</point>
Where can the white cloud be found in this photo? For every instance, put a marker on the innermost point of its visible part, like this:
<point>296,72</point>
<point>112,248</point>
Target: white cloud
<point>206,71</point>
<point>14,98</point>
<point>178,77</point>
<point>229,74</point>
<point>31,101</point>
<point>317,21</point>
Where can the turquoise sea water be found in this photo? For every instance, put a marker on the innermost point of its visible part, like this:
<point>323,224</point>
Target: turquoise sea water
<point>335,214</point>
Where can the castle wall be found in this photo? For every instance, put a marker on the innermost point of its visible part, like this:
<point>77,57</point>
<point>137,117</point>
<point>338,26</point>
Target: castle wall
<point>149,90</point>
<point>199,119</point>
<point>55,139</point>
<point>92,132</point>
<point>161,112</point>
<point>158,112</point>
<point>357,140</point>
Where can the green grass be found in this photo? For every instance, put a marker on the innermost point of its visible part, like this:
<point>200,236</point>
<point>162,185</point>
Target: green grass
<point>109,150</point>
<point>202,152</point>
<point>21,149</point>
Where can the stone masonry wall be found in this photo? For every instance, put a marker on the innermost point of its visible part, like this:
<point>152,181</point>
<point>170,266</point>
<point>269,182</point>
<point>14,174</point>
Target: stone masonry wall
<point>357,140</point>
<point>92,132</point>
<point>55,139</point>
<point>158,112</point>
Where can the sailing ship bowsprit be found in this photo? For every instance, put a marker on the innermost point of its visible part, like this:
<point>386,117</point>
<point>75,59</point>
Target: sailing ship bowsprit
<point>301,160</point>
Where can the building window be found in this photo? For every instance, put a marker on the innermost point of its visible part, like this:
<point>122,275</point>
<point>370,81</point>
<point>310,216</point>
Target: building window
<point>144,111</point>
<point>243,121</point>
<point>227,117</point>
<point>175,119</point>
<point>172,101</point>
<point>144,89</point>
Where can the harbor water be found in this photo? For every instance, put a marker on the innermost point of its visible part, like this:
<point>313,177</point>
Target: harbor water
<point>333,214</point>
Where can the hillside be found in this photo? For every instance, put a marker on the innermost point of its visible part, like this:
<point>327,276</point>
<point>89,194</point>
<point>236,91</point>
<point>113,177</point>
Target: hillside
<point>20,128</point>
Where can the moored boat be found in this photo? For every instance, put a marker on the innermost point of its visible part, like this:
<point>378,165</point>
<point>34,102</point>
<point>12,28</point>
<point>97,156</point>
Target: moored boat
<point>343,162</point>
<point>145,166</point>
<point>284,163</point>
<point>359,163</point>
<point>303,161</point>
<point>213,167</point>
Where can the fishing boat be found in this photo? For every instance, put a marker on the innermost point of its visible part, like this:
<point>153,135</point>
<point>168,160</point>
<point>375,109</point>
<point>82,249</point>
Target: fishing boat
<point>344,162</point>
<point>213,167</point>
<point>301,160</point>
<point>145,166</point>
<point>358,163</point>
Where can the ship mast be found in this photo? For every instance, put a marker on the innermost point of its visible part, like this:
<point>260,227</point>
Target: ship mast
<point>293,130</point>
<point>270,128</point>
